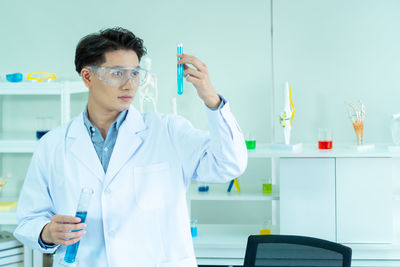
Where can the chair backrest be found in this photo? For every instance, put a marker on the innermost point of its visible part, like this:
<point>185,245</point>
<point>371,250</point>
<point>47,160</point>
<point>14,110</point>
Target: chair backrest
<point>289,250</point>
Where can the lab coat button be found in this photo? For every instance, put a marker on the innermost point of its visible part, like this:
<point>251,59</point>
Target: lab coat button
<point>106,149</point>
<point>107,191</point>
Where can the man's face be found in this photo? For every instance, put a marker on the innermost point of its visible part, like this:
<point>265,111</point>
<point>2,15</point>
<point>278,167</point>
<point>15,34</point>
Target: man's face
<point>109,98</point>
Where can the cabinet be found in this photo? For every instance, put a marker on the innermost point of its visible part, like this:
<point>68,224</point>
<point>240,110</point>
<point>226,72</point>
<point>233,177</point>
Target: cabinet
<point>364,200</point>
<point>308,197</point>
<point>341,195</point>
<point>18,143</point>
<point>345,200</point>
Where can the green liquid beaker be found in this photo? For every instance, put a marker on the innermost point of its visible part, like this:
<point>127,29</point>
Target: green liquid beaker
<point>251,144</point>
<point>267,186</point>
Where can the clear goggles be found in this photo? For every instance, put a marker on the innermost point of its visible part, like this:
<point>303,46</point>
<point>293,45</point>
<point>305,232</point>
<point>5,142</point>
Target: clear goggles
<point>118,76</point>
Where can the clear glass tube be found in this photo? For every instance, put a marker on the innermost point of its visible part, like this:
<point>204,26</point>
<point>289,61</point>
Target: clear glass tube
<point>81,212</point>
<point>179,50</point>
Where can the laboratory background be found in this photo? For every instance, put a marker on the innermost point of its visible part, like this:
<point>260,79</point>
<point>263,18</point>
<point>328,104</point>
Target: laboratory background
<point>339,58</point>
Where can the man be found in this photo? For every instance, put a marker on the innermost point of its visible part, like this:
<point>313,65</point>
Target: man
<point>138,165</point>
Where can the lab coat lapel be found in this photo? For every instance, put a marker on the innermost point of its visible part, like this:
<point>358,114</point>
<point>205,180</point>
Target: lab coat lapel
<point>127,143</point>
<point>82,147</point>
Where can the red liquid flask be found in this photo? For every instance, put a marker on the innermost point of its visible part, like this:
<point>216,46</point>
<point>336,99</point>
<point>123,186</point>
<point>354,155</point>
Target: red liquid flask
<point>325,144</point>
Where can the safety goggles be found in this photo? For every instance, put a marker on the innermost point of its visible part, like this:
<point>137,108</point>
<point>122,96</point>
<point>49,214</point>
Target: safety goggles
<point>118,76</point>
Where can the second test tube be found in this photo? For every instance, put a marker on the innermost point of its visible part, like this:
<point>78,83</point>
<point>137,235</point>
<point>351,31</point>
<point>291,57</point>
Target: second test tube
<point>81,212</point>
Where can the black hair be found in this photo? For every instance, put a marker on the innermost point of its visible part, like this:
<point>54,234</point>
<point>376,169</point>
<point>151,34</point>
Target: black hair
<point>91,49</point>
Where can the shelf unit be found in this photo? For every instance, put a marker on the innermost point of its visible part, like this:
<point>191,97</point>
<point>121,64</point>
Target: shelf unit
<point>11,142</point>
<point>225,244</point>
<point>62,89</point>
<point>17,143</point>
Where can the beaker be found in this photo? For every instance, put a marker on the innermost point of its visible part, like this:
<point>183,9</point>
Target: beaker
<point>267,186</point>
<point>43,125</point>
<point>324,138</point>
<point>266,228</point>
<point>250,141</point>
<point>193,228</point>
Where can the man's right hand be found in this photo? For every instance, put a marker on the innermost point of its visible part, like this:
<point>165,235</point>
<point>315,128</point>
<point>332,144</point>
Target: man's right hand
<point>58,230</point>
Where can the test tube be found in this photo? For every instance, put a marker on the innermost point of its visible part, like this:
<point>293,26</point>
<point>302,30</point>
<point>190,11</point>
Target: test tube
<point>179,50</point>
<point>81,212</point>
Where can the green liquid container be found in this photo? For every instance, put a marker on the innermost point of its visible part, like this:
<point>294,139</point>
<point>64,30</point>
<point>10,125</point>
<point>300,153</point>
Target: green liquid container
<point>251,144</point>
<point>267,188</point>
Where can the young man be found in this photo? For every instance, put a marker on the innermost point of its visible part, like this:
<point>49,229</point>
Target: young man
<point>138,165</point>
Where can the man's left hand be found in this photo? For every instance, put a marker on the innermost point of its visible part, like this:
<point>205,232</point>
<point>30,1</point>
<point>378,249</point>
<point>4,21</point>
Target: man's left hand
<point>198,76</point>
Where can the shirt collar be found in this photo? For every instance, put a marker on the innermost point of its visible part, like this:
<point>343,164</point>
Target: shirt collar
<point>118,121</point>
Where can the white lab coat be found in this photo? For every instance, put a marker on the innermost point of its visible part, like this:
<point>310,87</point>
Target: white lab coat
<point>138,214</point>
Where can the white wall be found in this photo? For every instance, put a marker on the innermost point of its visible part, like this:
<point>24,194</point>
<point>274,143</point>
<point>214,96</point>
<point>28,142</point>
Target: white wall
<point>336,51</point>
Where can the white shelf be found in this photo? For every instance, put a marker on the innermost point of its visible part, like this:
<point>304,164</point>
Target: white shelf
<point>311,150</point>
<point>220,261</point>
<point>17,142</point>
<point>219,192</point>
<point>224,242</point>
<point>375,252</point>
<point>77,87</point>
<point>44,88</point>
<point>225,235</point>
<point>8,216</point>
<point>20,146</point>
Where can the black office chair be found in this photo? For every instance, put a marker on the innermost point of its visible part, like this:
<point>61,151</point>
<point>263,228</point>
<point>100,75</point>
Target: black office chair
<point>288,250</point>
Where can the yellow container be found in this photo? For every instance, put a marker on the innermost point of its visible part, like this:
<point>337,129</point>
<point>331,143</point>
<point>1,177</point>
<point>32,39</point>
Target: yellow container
<point>265,231</point>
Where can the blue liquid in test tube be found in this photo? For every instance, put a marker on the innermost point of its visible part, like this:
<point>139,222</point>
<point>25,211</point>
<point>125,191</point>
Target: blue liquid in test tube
<point>70,255</point>
<point>84,200</point>
<point>179,50</point>
<point>193,228</point>
<point>193,231</point>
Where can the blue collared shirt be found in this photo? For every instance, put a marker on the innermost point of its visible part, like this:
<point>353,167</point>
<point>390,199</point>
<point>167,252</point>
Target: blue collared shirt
<point>104,148</point>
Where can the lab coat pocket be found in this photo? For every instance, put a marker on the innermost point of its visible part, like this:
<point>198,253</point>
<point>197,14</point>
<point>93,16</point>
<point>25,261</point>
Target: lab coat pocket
<point>152,185</point>
<point>188,262</point>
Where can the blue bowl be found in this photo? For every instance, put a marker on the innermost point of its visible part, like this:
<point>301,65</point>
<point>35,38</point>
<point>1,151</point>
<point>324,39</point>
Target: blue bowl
<point>14,77</point>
